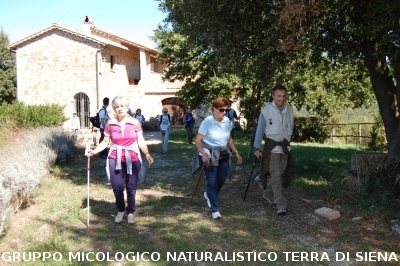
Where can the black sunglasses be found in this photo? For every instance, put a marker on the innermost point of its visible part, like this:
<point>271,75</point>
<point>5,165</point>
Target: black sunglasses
<point>222,109</point>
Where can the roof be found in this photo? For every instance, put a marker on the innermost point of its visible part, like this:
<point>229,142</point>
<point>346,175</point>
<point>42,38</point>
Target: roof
<point>103,38</point>
<point>97,31</point>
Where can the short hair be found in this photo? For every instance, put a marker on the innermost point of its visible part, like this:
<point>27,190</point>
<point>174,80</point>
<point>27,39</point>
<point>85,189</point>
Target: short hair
<point>220,102</point>
<point>106,101</point>
<point>278,87</point>
<point>120,100</point>
<point>165,109</point>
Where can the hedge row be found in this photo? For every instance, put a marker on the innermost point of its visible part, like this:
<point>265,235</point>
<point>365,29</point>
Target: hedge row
<point>33,116</point>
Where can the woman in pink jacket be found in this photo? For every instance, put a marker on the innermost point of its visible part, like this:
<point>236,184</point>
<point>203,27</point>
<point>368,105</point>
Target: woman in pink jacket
<point>124,159</point>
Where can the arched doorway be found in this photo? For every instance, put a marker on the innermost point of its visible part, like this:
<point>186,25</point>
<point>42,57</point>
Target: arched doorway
<point>176,109</point>
<point>82,109</point>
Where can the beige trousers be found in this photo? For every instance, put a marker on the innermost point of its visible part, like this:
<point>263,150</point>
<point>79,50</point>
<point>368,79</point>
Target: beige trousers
<point>277,165</point>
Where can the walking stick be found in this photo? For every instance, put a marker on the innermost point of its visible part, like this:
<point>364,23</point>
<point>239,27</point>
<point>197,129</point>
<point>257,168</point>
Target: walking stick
<point>248,184</point>
<point>197,183</point>
<point>88,178</point>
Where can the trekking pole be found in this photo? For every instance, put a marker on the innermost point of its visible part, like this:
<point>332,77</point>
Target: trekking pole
<point>88,142</point>
<point>197,183</point>
<point>248,184</point>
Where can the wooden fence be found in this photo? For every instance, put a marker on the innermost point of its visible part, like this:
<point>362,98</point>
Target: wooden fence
<point>351,132</point>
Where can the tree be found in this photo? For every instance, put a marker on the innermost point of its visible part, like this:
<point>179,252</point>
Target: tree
<point>219,50</point>
<point>8,79</point>
<point>354,30</point>
<point>204,41</point>
<point>326,88</point>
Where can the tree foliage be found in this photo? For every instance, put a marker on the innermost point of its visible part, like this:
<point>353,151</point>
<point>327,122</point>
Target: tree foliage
<point>354,30</point>
<point>219,50</point>
<point>8,79</point>
<point>309,46</point>
<point>202,40</point>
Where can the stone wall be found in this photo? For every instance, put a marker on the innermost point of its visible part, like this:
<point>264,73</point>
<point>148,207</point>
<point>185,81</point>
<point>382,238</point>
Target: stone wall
<point>55,66</point>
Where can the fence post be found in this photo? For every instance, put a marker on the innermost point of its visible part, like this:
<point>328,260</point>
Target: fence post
<point>359,133</point>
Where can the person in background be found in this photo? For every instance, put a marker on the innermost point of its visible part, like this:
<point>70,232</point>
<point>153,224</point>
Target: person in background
<point>164,124</point>
<point>124,159</point>
<point>276,122</point>
<point>188,121</point>
<point>103,115</point>
<point>180,115</point>
<point>130,112</point>
<point>75,124</point>
<point>232,115</point>
<point>214,143</point>
<point>140,117</point>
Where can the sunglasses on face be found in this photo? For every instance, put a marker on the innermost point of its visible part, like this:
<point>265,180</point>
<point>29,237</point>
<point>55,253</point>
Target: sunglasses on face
<point>222,109</point>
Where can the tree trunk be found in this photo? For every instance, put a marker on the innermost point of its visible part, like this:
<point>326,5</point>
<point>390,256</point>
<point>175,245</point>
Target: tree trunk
<point>394,149</point>
<point>386,96</point>
<point>255,96</point>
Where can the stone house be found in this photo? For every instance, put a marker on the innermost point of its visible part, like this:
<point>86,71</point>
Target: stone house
<point>77,69</point>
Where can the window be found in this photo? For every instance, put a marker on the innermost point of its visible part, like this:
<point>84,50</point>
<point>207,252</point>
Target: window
<point>112,61</point>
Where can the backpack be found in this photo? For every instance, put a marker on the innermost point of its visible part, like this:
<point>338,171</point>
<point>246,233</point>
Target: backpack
<point>160,119</point>
<point>230,114</point>
<point>95,120</point>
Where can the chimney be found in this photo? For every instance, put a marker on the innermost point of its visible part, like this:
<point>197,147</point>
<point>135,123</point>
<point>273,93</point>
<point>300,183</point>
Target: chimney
<point>87,24</point>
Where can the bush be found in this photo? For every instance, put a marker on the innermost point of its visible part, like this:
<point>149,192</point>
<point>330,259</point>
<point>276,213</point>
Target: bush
<point>33,116</point>
<point>309,129</point>
<point>29,157</point>
<point>378,138</point>
<point>379,180</point>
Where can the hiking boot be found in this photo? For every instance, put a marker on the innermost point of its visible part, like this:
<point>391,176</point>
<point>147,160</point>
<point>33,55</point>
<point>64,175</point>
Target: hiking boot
<point>131,218</point>
<point>281,210</point>
<point>208,200</point>
<point>119,217</point>
<point>265,196</point>
<point>216,215</point>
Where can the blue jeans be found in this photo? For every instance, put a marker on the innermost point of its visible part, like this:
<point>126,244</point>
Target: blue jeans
<point>120,180</point>
<point>216,177</point>
<point>165,140</point>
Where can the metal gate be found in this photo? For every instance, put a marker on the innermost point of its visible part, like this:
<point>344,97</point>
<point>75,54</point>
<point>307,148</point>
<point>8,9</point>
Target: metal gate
<point>82,107</point>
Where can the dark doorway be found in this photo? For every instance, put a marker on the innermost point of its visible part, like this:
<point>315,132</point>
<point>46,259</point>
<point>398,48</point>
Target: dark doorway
<point>82,109</point>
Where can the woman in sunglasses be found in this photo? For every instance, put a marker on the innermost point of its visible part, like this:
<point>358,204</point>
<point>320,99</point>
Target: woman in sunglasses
<point>214,144</point>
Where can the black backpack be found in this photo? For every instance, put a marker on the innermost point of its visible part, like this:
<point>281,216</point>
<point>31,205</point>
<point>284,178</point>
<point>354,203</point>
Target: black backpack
<point>95,120</point>
<point>160,119</point>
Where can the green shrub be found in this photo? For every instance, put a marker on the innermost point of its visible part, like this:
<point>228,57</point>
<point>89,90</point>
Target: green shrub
<point>378,138</point>
<point>33,116</point>
<point>309,129</point>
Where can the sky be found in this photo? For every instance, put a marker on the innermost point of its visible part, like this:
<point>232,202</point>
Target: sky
<point>134,20</point>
